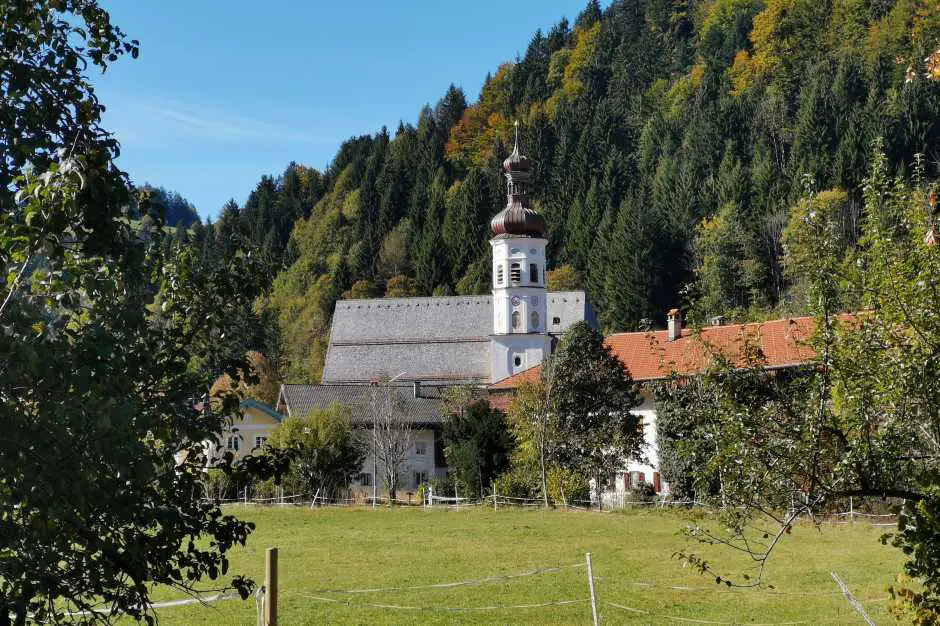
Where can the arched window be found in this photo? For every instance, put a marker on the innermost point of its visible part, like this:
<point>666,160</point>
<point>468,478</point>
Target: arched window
<point>515,273</point>
<point>516,320</point>
<point>533,273</point>
<point>534,319</point>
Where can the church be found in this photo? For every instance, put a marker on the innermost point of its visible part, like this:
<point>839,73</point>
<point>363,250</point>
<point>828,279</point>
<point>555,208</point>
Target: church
<point>423,345</point>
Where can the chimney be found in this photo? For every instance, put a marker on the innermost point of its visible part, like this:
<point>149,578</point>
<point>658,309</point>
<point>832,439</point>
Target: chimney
<point>417,387</point>
<point>674,323</point>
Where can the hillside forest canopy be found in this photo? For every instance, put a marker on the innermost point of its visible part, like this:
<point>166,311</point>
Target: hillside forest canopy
<point>671,140</point>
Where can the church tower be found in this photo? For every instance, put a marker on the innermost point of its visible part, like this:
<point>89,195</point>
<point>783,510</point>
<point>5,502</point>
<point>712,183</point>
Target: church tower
<point>520,339</point>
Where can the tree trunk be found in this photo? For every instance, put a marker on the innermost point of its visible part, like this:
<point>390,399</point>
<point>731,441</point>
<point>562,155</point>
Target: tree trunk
<point>542,470</point>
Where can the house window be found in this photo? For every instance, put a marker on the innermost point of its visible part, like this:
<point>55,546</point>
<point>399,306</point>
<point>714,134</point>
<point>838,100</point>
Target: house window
<point>499,274</point>
<point>515,273</point>
<point>533,273</point>
<point>232,443</point>
<point>639,424</point>
<point>260,440</point>
<point>421,447</point>
<point>516,320</point>
<point>556,321</point>
<point>420,478</point>
<point>363,479</point>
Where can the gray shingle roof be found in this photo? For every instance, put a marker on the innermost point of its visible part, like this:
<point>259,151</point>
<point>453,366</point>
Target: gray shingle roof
<point>438,338</point>
<point>299,400</point>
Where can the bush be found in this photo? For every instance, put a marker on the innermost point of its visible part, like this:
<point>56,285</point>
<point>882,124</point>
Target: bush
<point>217,484</point>
<point>643,492</point>
<point>518,483</point>
<point>567,486</point>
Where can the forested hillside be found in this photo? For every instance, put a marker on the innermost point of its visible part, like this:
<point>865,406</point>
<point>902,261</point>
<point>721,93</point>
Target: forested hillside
<point>670,140</point>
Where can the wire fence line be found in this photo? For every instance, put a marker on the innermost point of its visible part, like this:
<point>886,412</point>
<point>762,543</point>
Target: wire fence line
<point>447,609</point>
<point>496,500</point>
<point>461,583</point>
<point>693,620</point>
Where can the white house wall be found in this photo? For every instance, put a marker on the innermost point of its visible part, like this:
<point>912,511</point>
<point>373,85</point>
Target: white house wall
<point>650,463</point>
<point>414,462</point>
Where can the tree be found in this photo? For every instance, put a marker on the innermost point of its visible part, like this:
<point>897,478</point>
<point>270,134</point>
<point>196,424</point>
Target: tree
<point>535,427</point>
<point>478,444</point>
<point>564,278</point>
<point>859,419</point>
<point>129,329</point>
<point>394,255</point>
<point>325,452</point>
<point>259,380</point>
<point>592,394</point>
<point>393,433</point>
<point>360,289</point>
<point>577,417</point>
<point>685,406</point>
<point>400,286</point>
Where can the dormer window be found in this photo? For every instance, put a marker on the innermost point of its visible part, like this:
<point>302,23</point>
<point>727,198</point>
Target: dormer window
<point>533,273</point>
<point>515,273</point>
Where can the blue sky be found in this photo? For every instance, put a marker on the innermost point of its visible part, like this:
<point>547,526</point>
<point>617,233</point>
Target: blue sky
<point>225,92</point>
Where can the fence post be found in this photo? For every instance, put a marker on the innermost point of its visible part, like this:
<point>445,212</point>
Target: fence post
<point>456,495</point>
<point>494,496</point>
<point>270,587</point>
<point>590,574</point>
<point>851,510</point>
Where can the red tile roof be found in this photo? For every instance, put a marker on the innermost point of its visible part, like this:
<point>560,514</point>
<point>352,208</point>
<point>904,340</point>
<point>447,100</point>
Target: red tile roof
<point>651,356</point>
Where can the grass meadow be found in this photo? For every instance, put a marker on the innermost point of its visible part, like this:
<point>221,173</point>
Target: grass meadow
<point>326,551</point>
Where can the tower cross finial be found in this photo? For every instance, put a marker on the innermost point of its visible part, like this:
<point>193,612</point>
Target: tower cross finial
<point>516,146</point>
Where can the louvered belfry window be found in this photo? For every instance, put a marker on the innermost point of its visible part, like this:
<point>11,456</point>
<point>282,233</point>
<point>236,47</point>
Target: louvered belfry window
<point>499,274</point>
<point>515,273</point>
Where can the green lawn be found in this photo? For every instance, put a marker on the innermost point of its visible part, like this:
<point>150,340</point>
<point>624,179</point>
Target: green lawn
<point>337,549</point>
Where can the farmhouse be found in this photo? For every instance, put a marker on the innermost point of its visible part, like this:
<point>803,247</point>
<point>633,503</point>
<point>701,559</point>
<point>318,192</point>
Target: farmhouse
<point>657,355</point>
<point>250,432</point>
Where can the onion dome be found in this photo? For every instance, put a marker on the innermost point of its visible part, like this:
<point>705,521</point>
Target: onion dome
<point>517,162</point>
<point>517,219</point>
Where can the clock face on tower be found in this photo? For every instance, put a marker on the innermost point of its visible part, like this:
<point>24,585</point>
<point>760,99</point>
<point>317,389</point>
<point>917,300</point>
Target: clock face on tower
<point>516,300</point>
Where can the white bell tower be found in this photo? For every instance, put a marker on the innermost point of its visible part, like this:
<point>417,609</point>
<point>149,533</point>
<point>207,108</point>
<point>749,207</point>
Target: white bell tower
<point>520,338</point>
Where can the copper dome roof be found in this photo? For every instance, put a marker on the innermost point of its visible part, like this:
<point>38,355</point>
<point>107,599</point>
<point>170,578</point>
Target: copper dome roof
<point>517,162</point>
<point>516,219</point>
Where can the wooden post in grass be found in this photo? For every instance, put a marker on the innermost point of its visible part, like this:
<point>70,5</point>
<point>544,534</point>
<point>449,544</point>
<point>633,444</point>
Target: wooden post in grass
<point>590,573</point>
<point>270,587</point>
<point>494,496</point>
